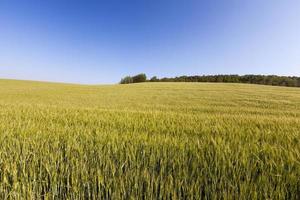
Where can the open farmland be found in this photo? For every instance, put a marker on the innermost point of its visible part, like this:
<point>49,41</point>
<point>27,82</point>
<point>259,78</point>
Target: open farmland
<point>149,141</point>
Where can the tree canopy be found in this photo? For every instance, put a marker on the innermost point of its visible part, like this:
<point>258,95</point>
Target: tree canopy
<point>139,78</point>
<point>291,81</point>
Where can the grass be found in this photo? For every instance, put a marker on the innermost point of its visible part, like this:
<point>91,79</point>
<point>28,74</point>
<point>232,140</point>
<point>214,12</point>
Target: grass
<point>149,141</point>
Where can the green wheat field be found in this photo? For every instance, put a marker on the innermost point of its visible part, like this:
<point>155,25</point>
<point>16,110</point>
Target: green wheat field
<point>149,141</point>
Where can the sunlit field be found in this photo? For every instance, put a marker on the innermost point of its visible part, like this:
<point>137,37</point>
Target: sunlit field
<point>149,141</point>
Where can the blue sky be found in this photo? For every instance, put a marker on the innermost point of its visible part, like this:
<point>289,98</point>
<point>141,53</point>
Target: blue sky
<point>101,41</point>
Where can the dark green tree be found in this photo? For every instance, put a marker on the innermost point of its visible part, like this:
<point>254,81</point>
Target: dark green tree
<point>126,80</point>
<point>154,79</point>
<point>139,78</point>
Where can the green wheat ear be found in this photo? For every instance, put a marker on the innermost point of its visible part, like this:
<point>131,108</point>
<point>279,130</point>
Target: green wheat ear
<point>149,141</point>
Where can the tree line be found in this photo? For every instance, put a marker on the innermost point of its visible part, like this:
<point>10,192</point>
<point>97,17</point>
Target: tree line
<point>291,81</point>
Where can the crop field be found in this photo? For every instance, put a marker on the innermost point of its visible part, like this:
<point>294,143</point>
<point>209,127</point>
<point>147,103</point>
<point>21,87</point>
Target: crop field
<point>149,141</point>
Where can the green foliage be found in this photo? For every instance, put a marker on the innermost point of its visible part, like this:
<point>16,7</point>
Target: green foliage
<point>149,141</point>
<point>154,79</point>
<point>254,79</point>
<point>126,80</point>
<point>139,78</point>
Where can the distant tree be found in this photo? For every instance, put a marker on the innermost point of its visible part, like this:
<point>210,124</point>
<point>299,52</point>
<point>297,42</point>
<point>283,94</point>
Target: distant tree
<point>154,79</point>
<point>139,78</point>
<point>126,80</point>
<point>291,81</point>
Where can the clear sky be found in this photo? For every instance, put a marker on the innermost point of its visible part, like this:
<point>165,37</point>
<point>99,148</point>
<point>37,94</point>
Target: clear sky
<point>101,41</point>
